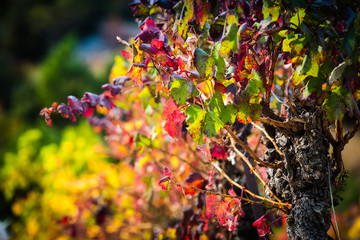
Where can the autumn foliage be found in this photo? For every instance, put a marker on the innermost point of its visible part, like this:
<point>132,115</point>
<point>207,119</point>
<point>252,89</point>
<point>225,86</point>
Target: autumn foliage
<point>203,98</point>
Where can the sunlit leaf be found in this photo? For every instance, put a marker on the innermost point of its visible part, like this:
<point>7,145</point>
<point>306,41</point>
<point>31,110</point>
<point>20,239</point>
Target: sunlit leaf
<point>195,117</point>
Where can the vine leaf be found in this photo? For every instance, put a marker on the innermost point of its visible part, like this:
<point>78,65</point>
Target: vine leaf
<point>135,75</point>
<point>212,124</point>
<point>230,41</point>
<point>175,119</point>
<point>164,183</point>
<point>227,114</point>
<point>219,61</point>
<point>201,62</point>
<point>262,225</point>
<point>195,117</point>
<point>181,89</point>
<point>226,211</point>
<point>249,106</point>
<point>194,179</point>
<point>149,31</point>
<point>219,152</point>
<point>337,72</point>
<point>336,104</point>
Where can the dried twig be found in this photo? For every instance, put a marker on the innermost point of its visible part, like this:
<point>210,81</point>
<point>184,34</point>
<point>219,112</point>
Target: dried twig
<point>253,155</point>
<point>280,204</point>
<point>120,40</point>
<point>275,123</point>
<point>253,170</point>
<point>293,108</point>
<point>268,137</point>
<point>221,194</point>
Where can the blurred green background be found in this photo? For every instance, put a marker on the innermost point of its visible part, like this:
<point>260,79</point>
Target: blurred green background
<point>52,49</point>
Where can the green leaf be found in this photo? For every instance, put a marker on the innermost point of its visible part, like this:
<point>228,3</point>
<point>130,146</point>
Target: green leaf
<point>313,86</point>
<point>230,41</point>
<point>142,141</point>
<point>189,13</point>
<point>310,65</point>
<point>195,117</point>
<point>248,112</point>
<point>298,78</point>
<point>337,72</point>
<point>201,61</point>
<point>227,114</point>
<point>336,103</point>
<point>181,89</point>
<point>219,61</point>
<point>212,124</point>
<point>254,87</point>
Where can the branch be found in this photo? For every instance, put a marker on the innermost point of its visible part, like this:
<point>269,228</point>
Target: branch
<point>219,194</point>
<point>293,108</point>
<point>351,133</point>
<point>275,123</point>
<point>339,131</point>
<point>281,205</point>
<point>253,170</point>
<point>271,71</point>
<point>268,137</point>
<point>253,155</point>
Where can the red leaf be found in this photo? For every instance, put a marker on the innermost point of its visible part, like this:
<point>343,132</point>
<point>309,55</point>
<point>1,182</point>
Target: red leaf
<point>126,54</point>
<point>194,179</point>
<point>149,31</point>
<point>212,203</point>
<point>219,152</point>
<point>220,88</point>
<point>164,183</point>
<point>232,192</point>
<point>262,225</point>
<point>169,108</point>
<point>167,172</point>
<point>175,119</point>
<point>158,44</point>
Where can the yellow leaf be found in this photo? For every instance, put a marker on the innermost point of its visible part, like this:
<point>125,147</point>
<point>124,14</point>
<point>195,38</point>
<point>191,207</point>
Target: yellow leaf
<point>118,69</point>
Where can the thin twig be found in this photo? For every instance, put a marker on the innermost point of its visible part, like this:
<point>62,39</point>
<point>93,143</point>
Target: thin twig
<point>292,108</point>
<point>271,71</point>
<point>282,205</point>
<point>268,137</point>
<point>253,155</point>
<point>277,98</point>
<point>221,194</point>
<point>120,40</point>
<point>253,170</point>
<point>351,133</point>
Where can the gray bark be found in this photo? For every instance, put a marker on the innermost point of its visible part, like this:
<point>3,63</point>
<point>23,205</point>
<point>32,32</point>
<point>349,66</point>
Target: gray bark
<point>303,181</point>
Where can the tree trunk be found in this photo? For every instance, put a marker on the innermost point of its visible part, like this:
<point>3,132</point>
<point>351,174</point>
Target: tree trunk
<point>303,181</point>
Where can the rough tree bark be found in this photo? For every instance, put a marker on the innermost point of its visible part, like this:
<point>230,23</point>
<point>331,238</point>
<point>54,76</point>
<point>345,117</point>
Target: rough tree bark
<point>303,181</point>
